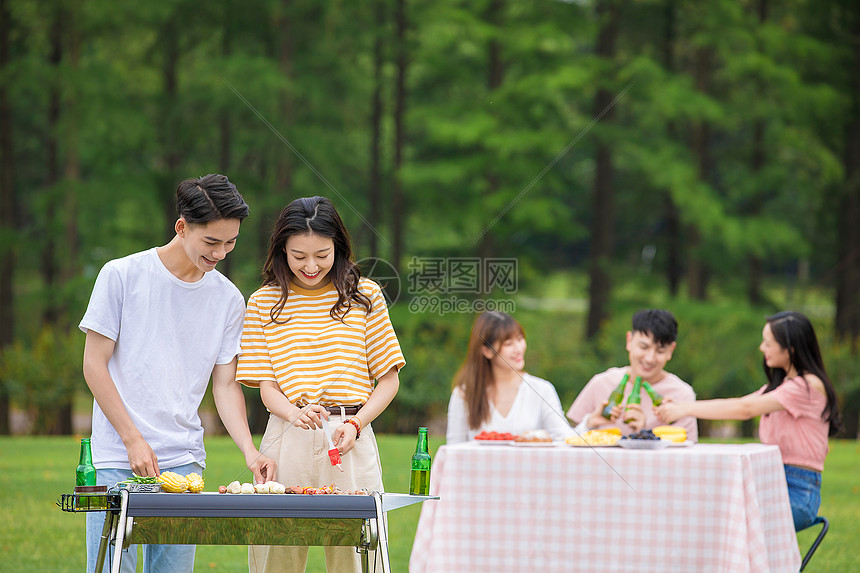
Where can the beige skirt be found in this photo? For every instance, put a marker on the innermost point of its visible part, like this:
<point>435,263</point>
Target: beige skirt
<point>302,457</point>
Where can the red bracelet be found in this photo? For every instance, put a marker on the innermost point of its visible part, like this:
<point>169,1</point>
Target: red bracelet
<point>356,425</point>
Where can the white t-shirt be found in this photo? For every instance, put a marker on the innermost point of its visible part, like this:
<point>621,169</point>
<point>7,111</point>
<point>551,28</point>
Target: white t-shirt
<point>169,335</point>
<point>536,407</point>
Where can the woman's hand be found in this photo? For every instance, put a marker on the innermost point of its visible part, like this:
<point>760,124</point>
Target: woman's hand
<point>308,417</point>
<point>669,412</point>
<point>344,437</point>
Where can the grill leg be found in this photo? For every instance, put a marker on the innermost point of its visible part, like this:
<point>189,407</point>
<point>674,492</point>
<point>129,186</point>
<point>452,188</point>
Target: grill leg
<point>105,541</point>
<point>382,534</point>
<point>120,531</point>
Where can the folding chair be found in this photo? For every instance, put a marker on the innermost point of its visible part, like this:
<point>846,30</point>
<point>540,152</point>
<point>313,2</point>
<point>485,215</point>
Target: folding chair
<point>817,542</point>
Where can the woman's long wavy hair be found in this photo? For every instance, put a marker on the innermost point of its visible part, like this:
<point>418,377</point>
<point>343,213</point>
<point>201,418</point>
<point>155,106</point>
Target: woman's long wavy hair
<point>793,331</point>
<point>317,216</point>
<point>475,376</point>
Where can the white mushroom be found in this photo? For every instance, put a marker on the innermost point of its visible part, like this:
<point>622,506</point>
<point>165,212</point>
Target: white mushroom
<point>275,487</point>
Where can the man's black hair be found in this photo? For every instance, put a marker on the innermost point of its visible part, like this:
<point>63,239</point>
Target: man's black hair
<point>209,198</point>
<point>659,323</point>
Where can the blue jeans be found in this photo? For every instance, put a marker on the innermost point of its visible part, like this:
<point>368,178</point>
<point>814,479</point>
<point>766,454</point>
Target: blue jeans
<point>804,493</point>
<point>156,558</point>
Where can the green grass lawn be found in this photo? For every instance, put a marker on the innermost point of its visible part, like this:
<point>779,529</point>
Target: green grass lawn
<point>36,536</point>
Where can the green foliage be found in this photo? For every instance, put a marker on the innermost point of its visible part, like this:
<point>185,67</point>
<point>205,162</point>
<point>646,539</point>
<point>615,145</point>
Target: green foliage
<point>496,160</point>
<point>45,376</point>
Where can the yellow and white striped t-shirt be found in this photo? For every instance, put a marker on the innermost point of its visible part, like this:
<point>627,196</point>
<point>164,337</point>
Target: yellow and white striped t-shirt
<point>312,357</point>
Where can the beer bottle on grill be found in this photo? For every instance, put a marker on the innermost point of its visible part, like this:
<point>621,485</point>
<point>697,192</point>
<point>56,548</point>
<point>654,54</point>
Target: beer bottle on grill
<point>420,481</point>
<point>656,398</point>
<point>85,474</point>
<point>615,397</point>
<point>635,397</point>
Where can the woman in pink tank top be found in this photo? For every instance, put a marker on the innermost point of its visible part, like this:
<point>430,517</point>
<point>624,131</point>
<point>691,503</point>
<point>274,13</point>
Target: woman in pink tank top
<point>798,408</point>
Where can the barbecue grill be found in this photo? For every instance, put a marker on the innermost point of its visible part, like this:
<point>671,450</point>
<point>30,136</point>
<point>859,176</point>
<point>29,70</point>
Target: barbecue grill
<point>236,519</point>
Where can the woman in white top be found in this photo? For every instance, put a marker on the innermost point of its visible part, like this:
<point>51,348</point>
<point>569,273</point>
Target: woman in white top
<point>492,392</point>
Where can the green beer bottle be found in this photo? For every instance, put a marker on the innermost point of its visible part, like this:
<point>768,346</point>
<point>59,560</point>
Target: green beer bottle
<point>85,474</point>
<point>420,482</point>
<point>615,397</point>
<point>656,398</point>
<point>635,397</point>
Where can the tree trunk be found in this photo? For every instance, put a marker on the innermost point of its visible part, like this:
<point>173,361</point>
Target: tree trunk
<point>847,320</point>
<point>7,212</point>
<point>495,78</point>
<point>754,263</point>
<point>671,214</point>
<point>71,176</point>
<point>52,172</point>
<point>398,199</point>
<point>72,169</point>
<point>374,215</point>
<point>697,268</point>
<point>603,202</point>
<point>257,414</point>
<point>171,124</point>
<point>225,132</point>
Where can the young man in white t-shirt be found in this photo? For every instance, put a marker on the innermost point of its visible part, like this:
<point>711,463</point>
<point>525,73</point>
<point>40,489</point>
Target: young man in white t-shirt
<point>159,324</point>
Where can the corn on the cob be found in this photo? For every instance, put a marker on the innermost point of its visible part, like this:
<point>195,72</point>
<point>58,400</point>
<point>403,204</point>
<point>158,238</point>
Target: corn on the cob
<point>173,482</point>
<point>195,482</point>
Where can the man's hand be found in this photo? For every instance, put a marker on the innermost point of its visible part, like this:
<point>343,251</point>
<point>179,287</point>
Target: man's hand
<point>263,467</point>
<point>634,417</point>
<point>596,418</point>
<point>141,458</point>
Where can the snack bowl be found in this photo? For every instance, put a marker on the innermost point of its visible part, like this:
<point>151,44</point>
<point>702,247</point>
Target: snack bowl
<point>643,444</point>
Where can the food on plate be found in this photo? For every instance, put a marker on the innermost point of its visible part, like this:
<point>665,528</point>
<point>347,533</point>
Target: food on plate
<point>222,489</point>
<point>261,487</point>
<point>534,436</point>
<point>495,436</point>
<point>247,488</point>
<point>234,487</point>
<point>671,433</point>
<point>172,482</point>
<point>641,435</point>
<point>606,437</point>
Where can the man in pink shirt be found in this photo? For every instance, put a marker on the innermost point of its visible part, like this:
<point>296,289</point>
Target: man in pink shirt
<point>650,344</point>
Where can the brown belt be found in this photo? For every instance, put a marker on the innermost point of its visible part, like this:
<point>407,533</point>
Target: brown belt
<point>347,410</point>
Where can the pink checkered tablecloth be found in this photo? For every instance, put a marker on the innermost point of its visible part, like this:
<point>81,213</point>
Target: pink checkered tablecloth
<point>702,508</point>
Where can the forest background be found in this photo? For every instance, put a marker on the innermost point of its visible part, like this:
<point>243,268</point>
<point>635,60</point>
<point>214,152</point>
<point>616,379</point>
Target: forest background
<point>568,161</point>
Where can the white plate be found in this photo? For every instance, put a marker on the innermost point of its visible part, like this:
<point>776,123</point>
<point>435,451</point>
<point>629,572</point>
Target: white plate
<point>683,444</point>
<point>615,445</point>
<point>533,444</point>
<point>644,444</point>
<point>494,442</point>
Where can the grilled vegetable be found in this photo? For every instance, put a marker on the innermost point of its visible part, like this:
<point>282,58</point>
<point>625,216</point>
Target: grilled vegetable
<point>173,482</point>
<point>195,482</point>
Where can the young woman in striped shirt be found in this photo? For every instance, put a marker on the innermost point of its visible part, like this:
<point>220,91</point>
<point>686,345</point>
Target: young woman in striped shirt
<point>316,337</point>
